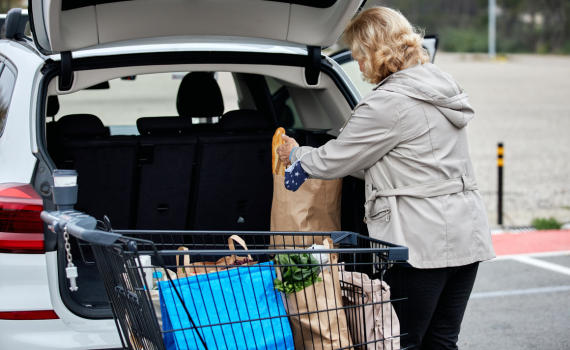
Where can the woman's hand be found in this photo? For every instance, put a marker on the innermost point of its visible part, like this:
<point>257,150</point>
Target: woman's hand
<point>285,149</point>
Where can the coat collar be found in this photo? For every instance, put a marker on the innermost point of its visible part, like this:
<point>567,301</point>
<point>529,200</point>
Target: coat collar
<point>393,74</point>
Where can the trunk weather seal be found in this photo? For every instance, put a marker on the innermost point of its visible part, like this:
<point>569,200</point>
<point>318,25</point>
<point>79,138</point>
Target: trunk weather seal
<point>55,242</point>
<point>42,51</point>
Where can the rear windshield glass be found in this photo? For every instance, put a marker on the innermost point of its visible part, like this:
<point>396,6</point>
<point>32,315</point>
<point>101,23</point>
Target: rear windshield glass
<point>120,103</point>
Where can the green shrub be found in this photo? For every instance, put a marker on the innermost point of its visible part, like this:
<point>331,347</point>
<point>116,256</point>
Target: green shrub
<point>463,40</point>
<point>546,224</point>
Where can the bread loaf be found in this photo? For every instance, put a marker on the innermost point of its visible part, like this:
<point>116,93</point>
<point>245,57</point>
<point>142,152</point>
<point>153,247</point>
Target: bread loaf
<point>277,141</point>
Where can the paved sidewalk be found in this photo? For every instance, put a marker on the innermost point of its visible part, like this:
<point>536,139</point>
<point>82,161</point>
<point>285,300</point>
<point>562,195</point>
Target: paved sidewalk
<point>531,242</point>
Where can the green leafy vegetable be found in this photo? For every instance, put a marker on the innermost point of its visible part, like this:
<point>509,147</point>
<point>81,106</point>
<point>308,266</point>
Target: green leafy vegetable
<point>296,278</point>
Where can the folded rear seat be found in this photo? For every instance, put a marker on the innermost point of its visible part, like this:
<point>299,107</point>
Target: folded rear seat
<point>166,161</point>
<point>168,153</point>
<point>233,189</point>
<point>105,165</point>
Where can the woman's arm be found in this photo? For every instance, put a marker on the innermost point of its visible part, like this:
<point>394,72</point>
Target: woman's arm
<point>373,130</point>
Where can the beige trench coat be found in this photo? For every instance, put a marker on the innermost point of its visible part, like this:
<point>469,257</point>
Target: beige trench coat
<point>407,140</point>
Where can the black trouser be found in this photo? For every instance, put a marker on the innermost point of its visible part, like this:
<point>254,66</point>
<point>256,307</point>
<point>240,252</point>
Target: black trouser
<point>437,299</point>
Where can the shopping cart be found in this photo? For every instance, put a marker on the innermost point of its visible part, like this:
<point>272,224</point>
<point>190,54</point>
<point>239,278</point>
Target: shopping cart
<point>203,291</point>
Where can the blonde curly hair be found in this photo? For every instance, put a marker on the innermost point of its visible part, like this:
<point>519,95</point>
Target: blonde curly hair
<point>385,42</point>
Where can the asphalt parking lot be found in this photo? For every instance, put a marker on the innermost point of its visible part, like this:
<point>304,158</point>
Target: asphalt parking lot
<point>516,305</point>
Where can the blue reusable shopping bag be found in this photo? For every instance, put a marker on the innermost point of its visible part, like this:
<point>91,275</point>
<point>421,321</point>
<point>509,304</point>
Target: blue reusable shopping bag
<point>226,297</point>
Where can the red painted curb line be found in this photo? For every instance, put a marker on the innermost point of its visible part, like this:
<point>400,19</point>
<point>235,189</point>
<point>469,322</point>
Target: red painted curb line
<point>531,242</point>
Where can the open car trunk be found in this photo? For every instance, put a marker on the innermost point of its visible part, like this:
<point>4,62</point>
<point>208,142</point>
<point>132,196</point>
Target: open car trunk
<point>71,25</point>
<point>201,177</point>
<point>91,301</point>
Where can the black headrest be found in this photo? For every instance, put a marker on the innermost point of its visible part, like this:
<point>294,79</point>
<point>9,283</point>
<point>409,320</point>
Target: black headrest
<point>199,96</point>
<point>244,119</point>
<point>52,106</point>
<point>164,125</point>
<point>81,125</point>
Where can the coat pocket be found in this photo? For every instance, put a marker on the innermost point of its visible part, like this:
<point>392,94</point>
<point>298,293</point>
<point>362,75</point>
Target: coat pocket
<point>376,208</point>
<point>381,214</point>
<point>378,213</point>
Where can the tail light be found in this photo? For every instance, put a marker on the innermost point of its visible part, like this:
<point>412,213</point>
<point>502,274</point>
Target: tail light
<point>29,315</point>
<point>21,228</point>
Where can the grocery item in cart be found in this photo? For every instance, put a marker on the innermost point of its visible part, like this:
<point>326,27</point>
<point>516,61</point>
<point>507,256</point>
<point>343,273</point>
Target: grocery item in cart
<point>197,268</point>
<point>233,309</point>
<point>315,306</point>
<point>371,316</point>
<point>160,275</point>
<point>295,274</point>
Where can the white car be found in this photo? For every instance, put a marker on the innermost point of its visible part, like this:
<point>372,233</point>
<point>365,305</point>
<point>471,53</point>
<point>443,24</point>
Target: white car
<point>98,88</point>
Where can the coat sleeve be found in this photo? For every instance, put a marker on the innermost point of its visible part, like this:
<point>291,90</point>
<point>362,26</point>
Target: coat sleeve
<point>358,174</point>
<point>373,130</point>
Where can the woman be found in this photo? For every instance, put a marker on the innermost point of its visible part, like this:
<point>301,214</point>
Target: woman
<point>407,140</point>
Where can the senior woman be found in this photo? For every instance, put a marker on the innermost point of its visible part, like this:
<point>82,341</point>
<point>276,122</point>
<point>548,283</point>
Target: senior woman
<point>407,140</point>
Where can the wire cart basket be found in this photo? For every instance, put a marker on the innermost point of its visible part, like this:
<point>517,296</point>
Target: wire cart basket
<point>244,290</point>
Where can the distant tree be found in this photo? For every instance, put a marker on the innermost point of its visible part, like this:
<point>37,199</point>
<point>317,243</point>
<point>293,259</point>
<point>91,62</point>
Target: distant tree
<point>6,5</point>
<point>522,25</point>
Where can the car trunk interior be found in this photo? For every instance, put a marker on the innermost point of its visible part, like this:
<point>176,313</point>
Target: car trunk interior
<point>202,162</point>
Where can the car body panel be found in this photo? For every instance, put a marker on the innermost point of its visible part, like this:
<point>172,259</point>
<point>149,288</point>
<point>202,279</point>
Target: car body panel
<point>52,335</point>
<point>16,159</point>
<point>75,28</point>
<point>431,43</point>
<point>25,286</point>
<point>105,327</point>
<point>33,285</point>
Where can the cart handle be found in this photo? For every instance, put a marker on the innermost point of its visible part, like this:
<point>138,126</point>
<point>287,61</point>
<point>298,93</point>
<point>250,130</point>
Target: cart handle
<point>78,225</point>
<point>98,237</point>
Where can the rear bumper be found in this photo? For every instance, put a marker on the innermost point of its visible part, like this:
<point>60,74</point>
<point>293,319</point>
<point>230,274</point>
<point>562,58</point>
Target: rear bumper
<point>53,334</point>
<point>30,282</point>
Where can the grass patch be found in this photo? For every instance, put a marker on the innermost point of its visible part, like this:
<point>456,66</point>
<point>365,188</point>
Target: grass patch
<point>546,224</point>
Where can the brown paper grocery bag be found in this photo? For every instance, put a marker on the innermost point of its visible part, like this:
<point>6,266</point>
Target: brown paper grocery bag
<point>317,328</point>
<point>315,206</point>
<point>199,268</point>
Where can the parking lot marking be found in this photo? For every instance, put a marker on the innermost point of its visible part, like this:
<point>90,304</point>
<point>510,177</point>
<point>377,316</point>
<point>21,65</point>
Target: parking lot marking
<point>525,259</point>
<point>504,293</point>
<point>534,255</point>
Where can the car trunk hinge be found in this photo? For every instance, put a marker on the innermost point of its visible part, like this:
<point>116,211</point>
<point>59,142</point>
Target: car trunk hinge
<point>313,66</point>
<point>66,74</point>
